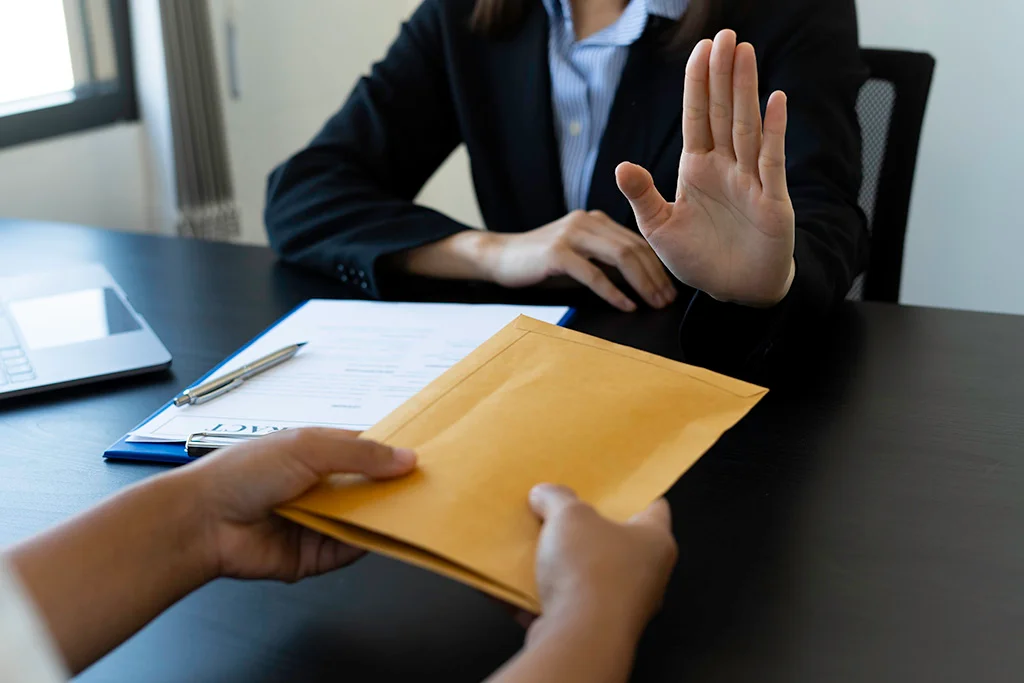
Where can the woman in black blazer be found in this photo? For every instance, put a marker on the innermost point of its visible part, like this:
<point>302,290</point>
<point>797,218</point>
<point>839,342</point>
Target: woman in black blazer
<point>764,235</point>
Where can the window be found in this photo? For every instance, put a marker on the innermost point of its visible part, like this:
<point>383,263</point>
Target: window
<point>65,66</point>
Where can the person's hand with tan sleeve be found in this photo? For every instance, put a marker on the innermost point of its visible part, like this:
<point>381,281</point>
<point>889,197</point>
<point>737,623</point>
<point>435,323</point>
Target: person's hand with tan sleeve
<point>99,578</point>
<point>600,583</point>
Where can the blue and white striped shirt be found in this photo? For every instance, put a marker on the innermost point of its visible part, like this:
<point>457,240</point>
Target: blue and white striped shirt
<point>585,76</point>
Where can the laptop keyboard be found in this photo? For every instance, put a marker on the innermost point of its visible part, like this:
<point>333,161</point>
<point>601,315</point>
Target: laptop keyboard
<point>14,365</point>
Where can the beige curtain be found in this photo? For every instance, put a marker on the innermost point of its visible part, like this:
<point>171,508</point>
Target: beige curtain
<point>206,198</point>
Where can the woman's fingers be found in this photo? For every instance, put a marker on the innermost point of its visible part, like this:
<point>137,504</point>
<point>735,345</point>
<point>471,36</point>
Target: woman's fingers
<point>649,207</point>
<point>625,257</point>
<point>746,117</point>
<point>659,276</point>
<point>586,273</point>
<point>696,126</point>
<point>722,112</point>
<point>651,264</point>
<point>632,255</point>
<point>720,91</point>
<point>772,163</point>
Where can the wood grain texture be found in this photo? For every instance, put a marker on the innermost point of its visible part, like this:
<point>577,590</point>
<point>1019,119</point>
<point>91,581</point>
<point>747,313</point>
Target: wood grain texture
<point>864,523</point>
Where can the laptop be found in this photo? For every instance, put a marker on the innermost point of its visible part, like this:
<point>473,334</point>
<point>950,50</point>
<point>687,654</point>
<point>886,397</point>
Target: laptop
<point>71,327</point>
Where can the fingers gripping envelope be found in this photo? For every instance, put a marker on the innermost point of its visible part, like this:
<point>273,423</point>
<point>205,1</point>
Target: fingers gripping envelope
<point>535,403</point>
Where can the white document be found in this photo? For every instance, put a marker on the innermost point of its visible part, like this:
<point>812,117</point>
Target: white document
<point>363,360</point>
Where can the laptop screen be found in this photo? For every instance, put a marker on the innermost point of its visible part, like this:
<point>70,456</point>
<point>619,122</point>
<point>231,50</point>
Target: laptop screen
<point>72,318</point>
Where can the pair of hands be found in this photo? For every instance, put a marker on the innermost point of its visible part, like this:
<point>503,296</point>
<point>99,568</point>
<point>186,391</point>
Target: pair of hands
<point>582,558</point>
<point>730,231</point>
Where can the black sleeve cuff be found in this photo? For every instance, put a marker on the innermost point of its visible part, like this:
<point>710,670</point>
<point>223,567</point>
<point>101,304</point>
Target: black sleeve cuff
<point>358,264</point>
<point>748,342</point>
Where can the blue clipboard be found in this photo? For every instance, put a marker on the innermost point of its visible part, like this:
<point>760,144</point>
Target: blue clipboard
<point>173,453</point>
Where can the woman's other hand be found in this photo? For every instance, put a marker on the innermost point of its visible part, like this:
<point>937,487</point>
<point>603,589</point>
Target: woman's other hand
<point>572,246</point>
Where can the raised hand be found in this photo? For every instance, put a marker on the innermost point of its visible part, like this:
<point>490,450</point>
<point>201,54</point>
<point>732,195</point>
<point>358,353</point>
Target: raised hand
<point>730,231</point>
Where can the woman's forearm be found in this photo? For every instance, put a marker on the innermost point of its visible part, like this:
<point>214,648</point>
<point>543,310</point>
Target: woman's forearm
<point>463,256</point>
<point>102,576</point>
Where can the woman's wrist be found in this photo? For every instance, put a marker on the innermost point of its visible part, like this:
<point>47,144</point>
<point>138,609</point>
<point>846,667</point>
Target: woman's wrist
<point>484,249</point>
<point>786,287</point>
<point>790,277</point>
<point>468,255</point>
<point>772,300</point>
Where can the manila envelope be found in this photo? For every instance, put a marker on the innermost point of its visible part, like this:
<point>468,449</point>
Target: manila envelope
<point>535,403</point>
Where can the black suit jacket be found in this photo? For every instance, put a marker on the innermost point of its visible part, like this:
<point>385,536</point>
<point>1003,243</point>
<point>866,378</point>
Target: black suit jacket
<point>346,201</point>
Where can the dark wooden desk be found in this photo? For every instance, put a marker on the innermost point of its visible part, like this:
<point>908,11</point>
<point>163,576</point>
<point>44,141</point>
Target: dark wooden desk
<point>865,523</point>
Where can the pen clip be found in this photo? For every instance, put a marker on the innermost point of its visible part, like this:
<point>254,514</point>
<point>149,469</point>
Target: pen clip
<point>205,398</point>
<point>204,443</point>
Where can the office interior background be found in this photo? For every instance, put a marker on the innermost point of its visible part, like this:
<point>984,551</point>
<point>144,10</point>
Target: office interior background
<point>284,67</point>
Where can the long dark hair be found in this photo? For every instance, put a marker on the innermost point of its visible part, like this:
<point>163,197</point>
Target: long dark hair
<point>501,18</point>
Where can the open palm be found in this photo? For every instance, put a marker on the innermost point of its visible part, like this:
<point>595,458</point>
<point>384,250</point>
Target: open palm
<point>731,228</point>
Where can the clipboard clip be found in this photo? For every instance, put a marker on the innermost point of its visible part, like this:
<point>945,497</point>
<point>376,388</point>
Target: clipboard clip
<point>204,443</point>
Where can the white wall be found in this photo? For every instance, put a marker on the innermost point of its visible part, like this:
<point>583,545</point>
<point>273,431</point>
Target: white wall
<point>297,63</point>
<point>95,178</point>
<point>965,238</point>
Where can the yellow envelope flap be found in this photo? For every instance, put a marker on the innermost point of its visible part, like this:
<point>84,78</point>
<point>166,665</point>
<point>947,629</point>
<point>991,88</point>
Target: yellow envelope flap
<point>534,403</point>
<point>389,547</point>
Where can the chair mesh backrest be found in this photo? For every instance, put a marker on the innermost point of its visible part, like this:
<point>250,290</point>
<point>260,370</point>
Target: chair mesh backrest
<point>874,109</point>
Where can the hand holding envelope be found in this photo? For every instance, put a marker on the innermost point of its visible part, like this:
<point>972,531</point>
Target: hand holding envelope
<point>535,403</point>
<point>586,563</point>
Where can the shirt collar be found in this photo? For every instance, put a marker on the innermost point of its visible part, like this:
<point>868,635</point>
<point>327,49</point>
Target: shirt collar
<point>630,26</point>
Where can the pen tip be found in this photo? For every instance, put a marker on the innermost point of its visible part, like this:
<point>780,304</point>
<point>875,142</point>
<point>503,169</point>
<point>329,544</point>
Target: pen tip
<point>301,344</point>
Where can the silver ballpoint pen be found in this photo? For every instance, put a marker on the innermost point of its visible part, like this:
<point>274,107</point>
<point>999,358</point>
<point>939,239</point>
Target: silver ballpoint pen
<point>215,388</point>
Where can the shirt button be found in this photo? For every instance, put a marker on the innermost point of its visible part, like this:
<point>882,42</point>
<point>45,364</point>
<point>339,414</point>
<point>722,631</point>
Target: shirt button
<point>365,285</point>
<point>575,128</point>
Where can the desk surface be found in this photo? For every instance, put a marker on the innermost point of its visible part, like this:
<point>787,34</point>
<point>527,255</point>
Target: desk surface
<point>864,524</point>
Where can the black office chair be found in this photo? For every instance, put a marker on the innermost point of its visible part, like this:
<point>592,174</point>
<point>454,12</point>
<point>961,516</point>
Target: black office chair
<point>891,108</point>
